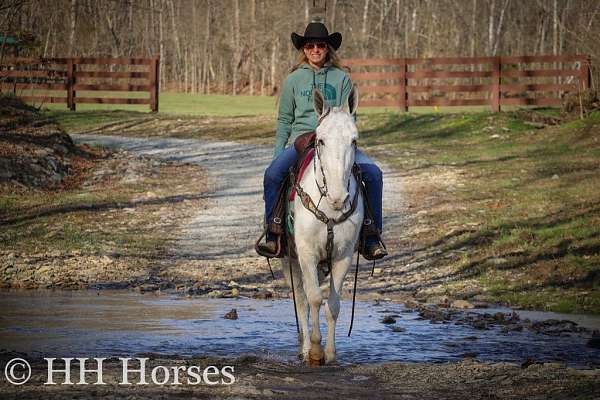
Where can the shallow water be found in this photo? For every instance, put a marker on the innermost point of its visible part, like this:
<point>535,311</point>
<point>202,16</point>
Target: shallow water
<point>122,323</point>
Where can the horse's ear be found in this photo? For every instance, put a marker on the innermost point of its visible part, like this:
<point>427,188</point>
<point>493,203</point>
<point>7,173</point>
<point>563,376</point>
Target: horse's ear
<point>353,99</point>
<point>318,102</point>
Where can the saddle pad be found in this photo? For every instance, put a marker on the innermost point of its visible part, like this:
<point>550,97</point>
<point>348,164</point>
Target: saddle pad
<point>305,163</point>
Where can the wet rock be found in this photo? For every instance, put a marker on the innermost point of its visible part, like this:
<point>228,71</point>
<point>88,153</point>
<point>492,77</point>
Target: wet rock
<point>197,289</point>
<point>215,294</point>
<point>512,328</point>
<point>527,363</point>
<point>480,325</point>
<point>148,288</point>
<point>388,319</point>
<point>231,314</point>
<point>554,327</point>
<point>411,304</point>
<point>442,301</point>
<point>398,329</point>
<point>480,304</point>
<point>462,304</point>
<point>434,314</point>
<point>263,295</point>
<point>499,316</point>
<point>594,342</point>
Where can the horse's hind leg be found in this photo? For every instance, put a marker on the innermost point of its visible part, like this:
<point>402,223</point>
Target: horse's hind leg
<point>332,309</point>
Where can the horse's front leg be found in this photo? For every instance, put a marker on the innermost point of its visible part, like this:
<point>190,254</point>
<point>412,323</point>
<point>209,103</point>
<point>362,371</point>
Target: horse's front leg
<point>301,303</point>
<point>332,310</point>
<point>308,264</point>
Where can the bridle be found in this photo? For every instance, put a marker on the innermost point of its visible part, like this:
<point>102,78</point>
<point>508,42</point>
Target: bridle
<point>323,191</point>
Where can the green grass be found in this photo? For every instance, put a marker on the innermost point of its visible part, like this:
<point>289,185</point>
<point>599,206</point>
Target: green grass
<point>534,195</point>
<point>182,104</point>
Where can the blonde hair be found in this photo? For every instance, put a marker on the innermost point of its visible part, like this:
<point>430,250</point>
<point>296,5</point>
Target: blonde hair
<point>330,57</point>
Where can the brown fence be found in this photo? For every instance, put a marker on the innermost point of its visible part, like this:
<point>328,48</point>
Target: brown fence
<point>469,81</point>
<point>70,75</point>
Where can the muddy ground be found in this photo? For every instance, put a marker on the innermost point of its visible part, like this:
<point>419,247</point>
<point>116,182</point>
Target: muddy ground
<point>259,379</point>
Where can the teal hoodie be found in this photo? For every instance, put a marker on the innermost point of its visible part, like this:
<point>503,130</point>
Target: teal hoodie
<point>296,112</point>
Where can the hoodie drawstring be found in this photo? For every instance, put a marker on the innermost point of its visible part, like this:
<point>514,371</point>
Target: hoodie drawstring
<point>324,83</point>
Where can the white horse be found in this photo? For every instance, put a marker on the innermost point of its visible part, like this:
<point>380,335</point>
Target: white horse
<point>329,178</point>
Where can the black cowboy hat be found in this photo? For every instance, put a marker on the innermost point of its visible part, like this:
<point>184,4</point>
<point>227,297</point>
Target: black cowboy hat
<point>317,31</point>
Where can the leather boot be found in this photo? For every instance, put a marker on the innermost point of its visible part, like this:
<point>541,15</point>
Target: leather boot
<point>371,246</point>
<point>271,248</point>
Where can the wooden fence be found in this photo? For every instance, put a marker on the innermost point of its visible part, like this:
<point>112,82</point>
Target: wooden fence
<point>70,75</point>
<point>469,81</point>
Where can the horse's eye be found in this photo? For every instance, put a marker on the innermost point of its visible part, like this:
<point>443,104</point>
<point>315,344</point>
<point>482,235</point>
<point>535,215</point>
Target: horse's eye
<point>354,143</point>
<point>321,143</point>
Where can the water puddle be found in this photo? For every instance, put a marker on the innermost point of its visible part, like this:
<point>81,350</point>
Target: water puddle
<point>121,323</point>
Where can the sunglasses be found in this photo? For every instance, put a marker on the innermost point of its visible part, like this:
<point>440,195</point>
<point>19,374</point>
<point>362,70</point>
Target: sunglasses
<point>318,45</point>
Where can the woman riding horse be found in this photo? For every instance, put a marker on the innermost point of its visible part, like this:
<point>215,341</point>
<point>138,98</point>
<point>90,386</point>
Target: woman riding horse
<point>318,68</point>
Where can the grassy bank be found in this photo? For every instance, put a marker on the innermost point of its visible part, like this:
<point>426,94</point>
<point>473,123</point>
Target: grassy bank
<point>507,209</point>
<point>517,217</point>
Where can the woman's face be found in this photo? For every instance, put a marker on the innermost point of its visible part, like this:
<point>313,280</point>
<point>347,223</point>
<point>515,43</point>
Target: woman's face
<point>316,53</point>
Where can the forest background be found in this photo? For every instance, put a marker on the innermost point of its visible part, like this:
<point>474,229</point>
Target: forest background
<point>244,47</point>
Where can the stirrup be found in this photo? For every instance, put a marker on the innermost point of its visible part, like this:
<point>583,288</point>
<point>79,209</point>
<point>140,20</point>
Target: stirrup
<point>262,250</point>
<point>369,231</point>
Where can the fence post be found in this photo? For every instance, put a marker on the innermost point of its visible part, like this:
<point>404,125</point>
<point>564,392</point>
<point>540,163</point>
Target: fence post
<point>154,83</point>
<point>71,84</point>
<point>584,78</point>
<point>403,83</point>
<point>495,95</point>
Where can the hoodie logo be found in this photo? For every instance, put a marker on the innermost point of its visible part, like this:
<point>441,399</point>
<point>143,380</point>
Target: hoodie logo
<point>328,91</point>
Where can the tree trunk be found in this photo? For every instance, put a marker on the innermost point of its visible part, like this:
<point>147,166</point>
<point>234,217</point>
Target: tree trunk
<point>161,39</point>
<point>73,19</point>
<point>250,60</point>
<point>236,45</point>
<point>306,12</point>
<point>473,28</point>
<point>332,17</point>
<point>499,27</point>
<point>177,57</point>
<point>274,51</point>
<point>490,43</point>
<point>363,32</point>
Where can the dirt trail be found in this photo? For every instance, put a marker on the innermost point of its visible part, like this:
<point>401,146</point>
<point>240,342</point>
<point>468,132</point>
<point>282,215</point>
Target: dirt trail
<point>219,241</point>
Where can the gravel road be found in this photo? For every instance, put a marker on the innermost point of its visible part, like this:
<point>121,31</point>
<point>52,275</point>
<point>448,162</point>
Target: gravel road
<point>221,238</point>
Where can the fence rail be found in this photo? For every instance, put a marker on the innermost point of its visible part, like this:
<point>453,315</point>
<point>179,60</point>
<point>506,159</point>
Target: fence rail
<point>495,81</point>
<point>65,74</point>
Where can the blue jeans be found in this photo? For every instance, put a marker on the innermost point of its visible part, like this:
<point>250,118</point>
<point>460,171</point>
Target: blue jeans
<point>278,170</point>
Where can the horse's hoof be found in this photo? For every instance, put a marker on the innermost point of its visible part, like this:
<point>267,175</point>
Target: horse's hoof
<point>316,358</point>
<point>316,361</point>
